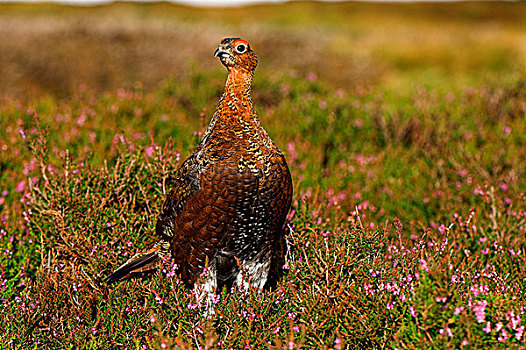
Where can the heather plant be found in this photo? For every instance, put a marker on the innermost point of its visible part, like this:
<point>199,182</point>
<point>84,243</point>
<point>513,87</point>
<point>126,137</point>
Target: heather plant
<point>381,254</point>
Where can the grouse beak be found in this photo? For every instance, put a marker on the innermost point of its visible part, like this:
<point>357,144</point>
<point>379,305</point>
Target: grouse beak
<point>221,53</point>
<point>224,52</point>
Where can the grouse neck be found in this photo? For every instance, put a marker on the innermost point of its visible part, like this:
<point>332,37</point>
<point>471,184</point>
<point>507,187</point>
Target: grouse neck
<point>234,115</point>
<point>238,85</point>
<point>236,101</point>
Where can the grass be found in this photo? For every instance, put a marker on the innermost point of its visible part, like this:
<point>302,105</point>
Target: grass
<point>408,222</point>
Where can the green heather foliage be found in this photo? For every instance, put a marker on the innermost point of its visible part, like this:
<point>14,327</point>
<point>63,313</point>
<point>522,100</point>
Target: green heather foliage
<point>408,225</point>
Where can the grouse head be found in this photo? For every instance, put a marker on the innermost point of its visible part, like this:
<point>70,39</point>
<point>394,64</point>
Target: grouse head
<point>235,53</point>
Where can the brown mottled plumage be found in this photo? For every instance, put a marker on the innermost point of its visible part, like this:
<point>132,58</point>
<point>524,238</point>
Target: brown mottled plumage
<point>231,195</point>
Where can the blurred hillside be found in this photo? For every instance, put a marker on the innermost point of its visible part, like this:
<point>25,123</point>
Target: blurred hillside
<point>50,49</point>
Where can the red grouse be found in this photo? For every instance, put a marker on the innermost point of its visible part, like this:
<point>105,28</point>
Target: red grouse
<point>231,196</point>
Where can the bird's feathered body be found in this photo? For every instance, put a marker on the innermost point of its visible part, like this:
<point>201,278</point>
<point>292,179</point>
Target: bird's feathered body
<point>231,196</point>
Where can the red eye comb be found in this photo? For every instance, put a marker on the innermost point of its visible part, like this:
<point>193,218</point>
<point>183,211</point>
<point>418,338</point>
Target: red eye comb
<point>240,41</point>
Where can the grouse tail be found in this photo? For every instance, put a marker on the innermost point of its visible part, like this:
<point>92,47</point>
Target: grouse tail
<point>141,264</point>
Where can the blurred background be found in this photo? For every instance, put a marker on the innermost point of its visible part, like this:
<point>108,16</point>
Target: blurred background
<point>50,49</point>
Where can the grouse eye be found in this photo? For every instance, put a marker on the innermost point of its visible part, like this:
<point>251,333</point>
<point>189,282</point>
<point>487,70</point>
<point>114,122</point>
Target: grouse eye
<point>241,48</point>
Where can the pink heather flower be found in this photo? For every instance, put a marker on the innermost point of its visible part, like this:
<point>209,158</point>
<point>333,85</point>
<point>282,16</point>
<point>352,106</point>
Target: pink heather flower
<point>519,333</point>
<point>454,279</point>
<point>296,329</point>
<point>311,76</point>
<point>159,300</point>
<point>449,332</point>
<point>440,299</point>
<point>479,310</point>
<point>149,151</point>
<point>81,119</point>
<point>276,331</point>
<point>423,265</point>
<point>487,329</point>
<point>484,289</point>
<point>412,311</point>
<point>292,152</point>
<point>20,186</point>
<point>337,344</point>
<point>503,336</point>
<point>506,130</point>
<point>485,251</point>
<point>478,190</point>
<point>465,342</point>
<point>458,310</point>
<point>389,306</point>
<point>514,320</point>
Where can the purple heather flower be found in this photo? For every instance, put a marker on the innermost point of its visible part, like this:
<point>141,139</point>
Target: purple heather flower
<point>519,333</point>
<point>503,336</point>
<point>20,186</point>
<point>479,310</point>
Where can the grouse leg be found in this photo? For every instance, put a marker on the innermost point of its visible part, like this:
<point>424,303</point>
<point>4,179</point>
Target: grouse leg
<point>206,291</point>
<point>253,273</point>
